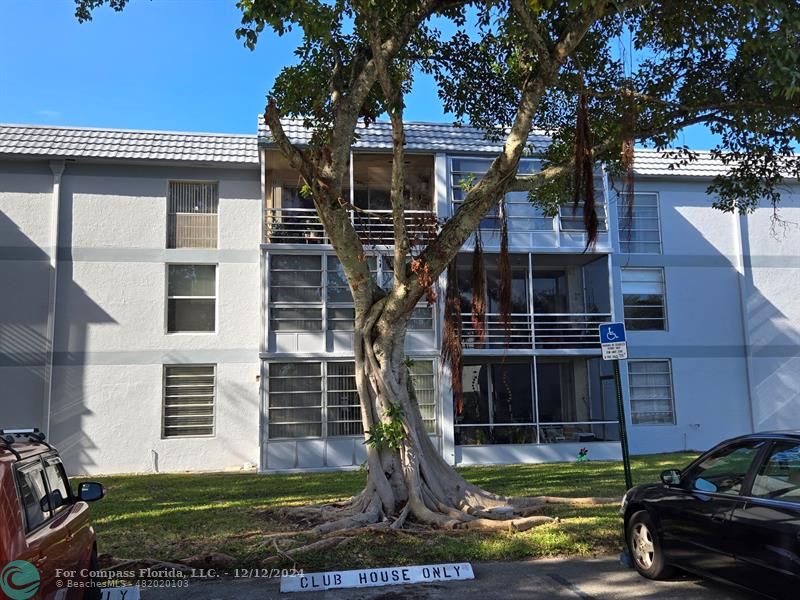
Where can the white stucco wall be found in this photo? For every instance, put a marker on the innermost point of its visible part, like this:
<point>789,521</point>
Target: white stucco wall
<point>771,286</point>
<point>25,213</point>
<point>111,341</point>
<point>719,312</point>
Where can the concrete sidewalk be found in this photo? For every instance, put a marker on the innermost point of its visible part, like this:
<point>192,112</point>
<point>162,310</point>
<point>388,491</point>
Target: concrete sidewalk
<point>601,578</point>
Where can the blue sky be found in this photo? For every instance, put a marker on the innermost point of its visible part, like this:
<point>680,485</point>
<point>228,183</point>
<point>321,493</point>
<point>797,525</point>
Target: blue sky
<point>160,64</point>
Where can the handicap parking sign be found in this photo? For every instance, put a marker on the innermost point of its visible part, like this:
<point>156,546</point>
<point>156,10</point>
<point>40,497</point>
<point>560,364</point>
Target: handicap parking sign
<point>612,341</point>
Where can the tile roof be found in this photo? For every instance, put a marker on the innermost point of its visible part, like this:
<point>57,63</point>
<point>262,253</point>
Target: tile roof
<point>445,137</point>
<point>118,144</point>
<point>657,163</point>
<point>441,137</point>
<point>43,141</point>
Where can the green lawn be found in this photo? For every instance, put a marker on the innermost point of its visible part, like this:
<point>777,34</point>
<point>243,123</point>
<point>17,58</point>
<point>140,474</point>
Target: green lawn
<point>170,517</point>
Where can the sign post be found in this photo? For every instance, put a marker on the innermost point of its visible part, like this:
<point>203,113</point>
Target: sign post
<point>615,348</point>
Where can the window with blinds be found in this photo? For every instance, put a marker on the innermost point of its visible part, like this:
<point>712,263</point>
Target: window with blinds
<point>422,376</point>
<point>644,299</point>
<point>300,285</point>
<point>189,400</point>
<point>652,401</point>
<point>320,399</point>
<point>639,224</point>
<point>343,407</point>
<point>295,399</point>
<point>192,214</point>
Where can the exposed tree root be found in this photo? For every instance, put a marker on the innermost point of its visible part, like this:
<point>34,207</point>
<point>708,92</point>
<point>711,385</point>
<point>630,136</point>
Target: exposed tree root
<point>508,525</point>
<point>409,482</point>
<point>324,544</point>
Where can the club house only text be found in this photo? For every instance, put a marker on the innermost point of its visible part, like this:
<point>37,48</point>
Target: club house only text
<point>378,577</point>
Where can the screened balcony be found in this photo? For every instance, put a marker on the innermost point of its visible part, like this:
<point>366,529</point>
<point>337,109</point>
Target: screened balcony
<point>290,216</point>
<point>557,303</point>
<point>544,400</point>
<point>528,227</point>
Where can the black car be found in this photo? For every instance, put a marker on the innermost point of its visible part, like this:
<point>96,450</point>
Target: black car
<point>733,515</point>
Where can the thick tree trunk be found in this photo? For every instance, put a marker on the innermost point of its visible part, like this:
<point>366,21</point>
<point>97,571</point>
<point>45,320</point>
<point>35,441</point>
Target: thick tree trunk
<point>412,480</point>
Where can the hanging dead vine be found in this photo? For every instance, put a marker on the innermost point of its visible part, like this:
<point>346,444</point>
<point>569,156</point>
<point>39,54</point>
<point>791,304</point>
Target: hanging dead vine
<point>629,115</point>
<point>504,272</point>
<point>478,292</point>
<point>452,346</point>
<point>583,183</point>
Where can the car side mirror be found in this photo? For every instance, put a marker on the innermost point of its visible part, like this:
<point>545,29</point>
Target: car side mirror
<point>90,491</point>
<point>671,477</point>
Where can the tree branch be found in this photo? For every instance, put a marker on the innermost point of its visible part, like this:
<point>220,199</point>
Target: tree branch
<point>394,99</point>
<point>531,27</point>
<point>502,171</point>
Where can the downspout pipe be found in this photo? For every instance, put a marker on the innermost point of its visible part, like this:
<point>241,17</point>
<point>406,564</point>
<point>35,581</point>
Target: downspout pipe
<point>57,168</point>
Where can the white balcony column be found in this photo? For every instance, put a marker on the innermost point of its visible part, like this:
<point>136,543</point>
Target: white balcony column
<point>441,207</point>
<point>445,389</point>
<point>531,300</point>
<point>352,179</point>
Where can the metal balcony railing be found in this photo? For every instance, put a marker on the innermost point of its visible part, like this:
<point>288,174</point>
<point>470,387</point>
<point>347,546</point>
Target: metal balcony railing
<point>543,331</point>
<point>302,226</point>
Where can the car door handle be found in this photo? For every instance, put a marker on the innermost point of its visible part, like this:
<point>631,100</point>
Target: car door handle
<point>718,517</point>
<point>68,538</point>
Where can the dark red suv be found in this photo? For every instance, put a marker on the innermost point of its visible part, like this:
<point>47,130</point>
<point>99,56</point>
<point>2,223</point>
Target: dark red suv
<point>47,543</point>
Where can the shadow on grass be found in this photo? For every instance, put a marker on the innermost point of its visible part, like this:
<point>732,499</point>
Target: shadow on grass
<point>171,516</point>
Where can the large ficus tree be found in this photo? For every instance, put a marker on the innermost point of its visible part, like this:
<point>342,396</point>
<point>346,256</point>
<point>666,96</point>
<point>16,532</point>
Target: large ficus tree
<point>599,76</point>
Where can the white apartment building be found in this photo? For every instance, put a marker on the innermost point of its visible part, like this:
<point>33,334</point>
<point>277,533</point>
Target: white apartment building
<point>170,302</point>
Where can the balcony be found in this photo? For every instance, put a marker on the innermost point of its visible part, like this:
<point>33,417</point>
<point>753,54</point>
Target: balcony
<point>548,331</point>
<point>302,226</point>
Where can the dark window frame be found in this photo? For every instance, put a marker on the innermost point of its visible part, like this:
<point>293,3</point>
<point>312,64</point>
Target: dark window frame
<point>38,462</point>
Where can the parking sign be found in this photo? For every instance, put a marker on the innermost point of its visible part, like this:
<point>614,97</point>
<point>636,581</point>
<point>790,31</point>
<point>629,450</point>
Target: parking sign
<point>612,341</point>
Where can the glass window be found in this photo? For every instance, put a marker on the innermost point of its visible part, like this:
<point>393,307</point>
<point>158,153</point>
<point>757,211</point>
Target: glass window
<point>422,377</point>
<point>303,395</point>
<point>191,298</point>
<point>522,215</point>
<point>779,477</point>
<point>344,408</point>
<point>295,399</point>
<point>651,392</point>
<point>192,214</point>
<point>421,318</point>
<point>643,298</point>
<point>341,319</point>
<point>724,471</point>
<point>639,226</point>
<point>338,290</point>
<point>295,278</point>
<point>295,319</point>
<point>33,494</point>
<point>189,395</point>
<point>60,493</point>
<point>573,220</point>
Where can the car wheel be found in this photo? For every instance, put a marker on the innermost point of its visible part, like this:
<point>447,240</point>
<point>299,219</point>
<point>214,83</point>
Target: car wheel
<point>644,543</point>
<point>93,592</point>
